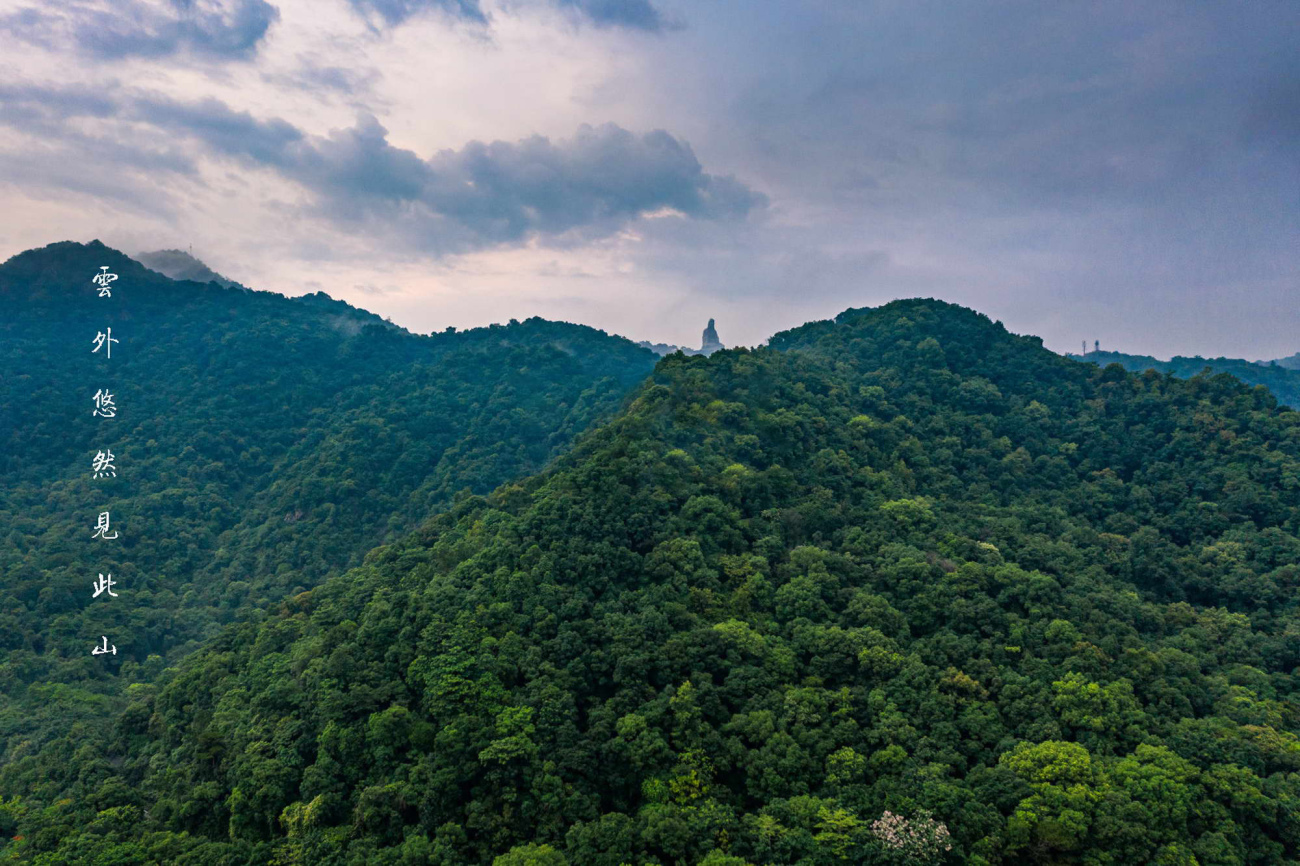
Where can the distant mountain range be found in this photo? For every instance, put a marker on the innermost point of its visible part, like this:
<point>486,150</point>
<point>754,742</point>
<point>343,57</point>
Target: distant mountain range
<point>1292,362</point>
<point>1282,376</point>
<point>182,265</point>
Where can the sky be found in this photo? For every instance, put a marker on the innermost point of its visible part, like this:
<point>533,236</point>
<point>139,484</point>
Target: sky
<point>1085,170</point>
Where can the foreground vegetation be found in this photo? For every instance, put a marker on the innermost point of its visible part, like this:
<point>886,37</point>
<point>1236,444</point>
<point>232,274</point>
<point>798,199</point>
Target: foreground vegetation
<point>901,587</point>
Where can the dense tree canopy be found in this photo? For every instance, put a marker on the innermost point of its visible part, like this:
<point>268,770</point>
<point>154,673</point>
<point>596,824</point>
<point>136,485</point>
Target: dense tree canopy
<point>262,443</point>
<point>900,587</point>
<point>1281,377</point>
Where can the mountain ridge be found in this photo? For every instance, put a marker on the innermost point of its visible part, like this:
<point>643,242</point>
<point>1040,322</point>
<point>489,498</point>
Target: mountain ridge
<point>1282,381</point>
<point>261,442</point>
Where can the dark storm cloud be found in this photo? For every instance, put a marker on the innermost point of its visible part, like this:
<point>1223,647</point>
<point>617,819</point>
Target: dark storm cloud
<point>102,159</point>
<point>233,29</point>
<point>44,111</point>
<point>233,133</point>
<point>1056,104</point>
<point>487,194</point>
<point>602,175</point>
<point>482,195</point>
<point>222,29</point>
<point>1099,165</point>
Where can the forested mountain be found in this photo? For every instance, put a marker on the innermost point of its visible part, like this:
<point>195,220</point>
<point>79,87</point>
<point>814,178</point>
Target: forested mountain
<point>261,443</point>
<point>900,587</point>
<point>1291,362</point>
<point>1278,377</point>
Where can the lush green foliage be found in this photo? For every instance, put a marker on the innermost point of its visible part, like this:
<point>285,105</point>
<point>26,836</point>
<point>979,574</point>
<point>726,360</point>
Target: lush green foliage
<point>1280,377</point>
<point>901,562</point>
<point>262,444</point>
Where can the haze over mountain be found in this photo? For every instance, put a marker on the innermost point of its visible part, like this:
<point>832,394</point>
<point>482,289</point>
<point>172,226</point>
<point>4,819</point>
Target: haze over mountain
<point>899,563</point>
<point>181,265</point>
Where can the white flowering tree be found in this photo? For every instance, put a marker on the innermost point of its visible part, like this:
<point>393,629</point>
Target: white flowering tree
<point>920,839</point>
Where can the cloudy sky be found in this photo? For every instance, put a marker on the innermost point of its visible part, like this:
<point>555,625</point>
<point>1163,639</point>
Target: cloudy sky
<point>1121,171</point>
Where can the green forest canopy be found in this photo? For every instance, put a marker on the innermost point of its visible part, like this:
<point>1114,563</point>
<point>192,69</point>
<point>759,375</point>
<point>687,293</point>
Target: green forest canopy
<point>1281,377</point>
<point>895,574</point>
<point>263,443</point>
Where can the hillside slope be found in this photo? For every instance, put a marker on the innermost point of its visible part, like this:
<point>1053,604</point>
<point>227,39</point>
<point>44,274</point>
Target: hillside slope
<point>261,444</point>
<point>900,562</point>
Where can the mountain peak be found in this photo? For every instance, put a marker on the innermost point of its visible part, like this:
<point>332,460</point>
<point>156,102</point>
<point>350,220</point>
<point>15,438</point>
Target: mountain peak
<point>53,271</point>
<point>181,265</point>
<point>909,320</point>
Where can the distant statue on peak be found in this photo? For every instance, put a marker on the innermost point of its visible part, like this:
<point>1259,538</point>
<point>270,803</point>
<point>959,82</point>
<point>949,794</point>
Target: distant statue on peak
<point>710,343</point>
